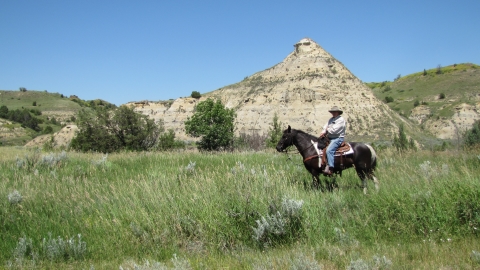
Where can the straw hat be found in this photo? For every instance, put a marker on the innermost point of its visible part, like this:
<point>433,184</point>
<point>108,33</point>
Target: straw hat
<point>336,109</point>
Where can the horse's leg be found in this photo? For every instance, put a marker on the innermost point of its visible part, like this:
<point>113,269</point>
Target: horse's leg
<point>361,173</point>
<point>372,177</point>
<point>317,184</point>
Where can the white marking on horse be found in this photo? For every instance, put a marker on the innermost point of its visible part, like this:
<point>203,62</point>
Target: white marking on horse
<point>374,154</point>
<point>315,144</point>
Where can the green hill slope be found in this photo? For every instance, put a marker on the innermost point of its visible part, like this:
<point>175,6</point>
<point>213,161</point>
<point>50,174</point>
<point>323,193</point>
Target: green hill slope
<point>443,101</point>
<point>53,109</point>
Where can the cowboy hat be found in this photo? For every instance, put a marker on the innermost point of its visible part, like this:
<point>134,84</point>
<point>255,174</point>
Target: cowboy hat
<point>335,109</point>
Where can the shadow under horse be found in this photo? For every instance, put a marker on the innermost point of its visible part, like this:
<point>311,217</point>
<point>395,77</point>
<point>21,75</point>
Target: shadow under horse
<point>363,158</point>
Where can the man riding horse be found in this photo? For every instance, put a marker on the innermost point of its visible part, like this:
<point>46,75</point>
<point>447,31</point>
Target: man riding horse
<point>335,130</point>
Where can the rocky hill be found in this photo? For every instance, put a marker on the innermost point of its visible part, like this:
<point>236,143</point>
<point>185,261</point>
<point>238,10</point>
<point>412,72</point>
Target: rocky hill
<point>300,90</point>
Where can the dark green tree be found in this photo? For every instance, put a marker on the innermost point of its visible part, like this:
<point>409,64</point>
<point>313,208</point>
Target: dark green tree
<point>213,123</point>
<point>3,111</point>
<point>472,136</point>
<point>401,142</point>
<point>106,131</point>
<point>196,94</point>
<point>47,130</point>
<point>167,141</point>
<point>275,132</point>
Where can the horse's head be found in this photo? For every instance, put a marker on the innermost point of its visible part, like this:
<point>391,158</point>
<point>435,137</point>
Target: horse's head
<point>286,140</point>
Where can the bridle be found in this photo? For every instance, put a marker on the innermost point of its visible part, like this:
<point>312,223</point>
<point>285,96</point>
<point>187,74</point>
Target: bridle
<point>291,143</point>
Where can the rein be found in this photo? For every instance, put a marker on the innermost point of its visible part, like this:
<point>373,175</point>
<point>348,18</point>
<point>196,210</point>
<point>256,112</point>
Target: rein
<point>300,151</point>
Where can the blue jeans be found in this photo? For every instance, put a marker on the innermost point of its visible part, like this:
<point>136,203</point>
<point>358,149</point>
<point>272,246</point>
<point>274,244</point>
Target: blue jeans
<point>332,147</point>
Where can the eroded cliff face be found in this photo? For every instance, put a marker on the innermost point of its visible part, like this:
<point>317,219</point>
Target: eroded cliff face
<point>452,127</point>
<point>300,90</point>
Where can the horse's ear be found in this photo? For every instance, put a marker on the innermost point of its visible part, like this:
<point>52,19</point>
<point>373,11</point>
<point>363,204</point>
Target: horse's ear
<point>289,129</point>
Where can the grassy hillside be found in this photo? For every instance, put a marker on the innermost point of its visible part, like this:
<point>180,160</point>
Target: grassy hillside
<point>44,101</point>
<point>56,110</point>
<point>442,89</point>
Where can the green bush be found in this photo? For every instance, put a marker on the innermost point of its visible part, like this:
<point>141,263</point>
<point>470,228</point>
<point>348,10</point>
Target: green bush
<point>274,132</point>
<point>213,123</point>
<point>388,99</point>
<point>196,94</point>
<point>108,131</point>
<point>472,136</point>
<point>166,141</point>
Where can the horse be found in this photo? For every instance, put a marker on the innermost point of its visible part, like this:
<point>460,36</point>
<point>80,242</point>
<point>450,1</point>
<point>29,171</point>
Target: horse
<point>363,158</point>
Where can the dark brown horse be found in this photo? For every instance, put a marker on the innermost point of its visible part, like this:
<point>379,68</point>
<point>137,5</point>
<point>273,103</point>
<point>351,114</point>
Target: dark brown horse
<point>363,158</point>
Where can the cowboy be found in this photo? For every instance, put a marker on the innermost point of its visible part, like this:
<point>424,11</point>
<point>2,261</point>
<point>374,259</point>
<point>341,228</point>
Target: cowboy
<point>335,130</point>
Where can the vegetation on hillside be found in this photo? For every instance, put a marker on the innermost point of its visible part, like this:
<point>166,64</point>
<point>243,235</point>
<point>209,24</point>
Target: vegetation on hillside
<point>440,88</point>
<point>25,108</point>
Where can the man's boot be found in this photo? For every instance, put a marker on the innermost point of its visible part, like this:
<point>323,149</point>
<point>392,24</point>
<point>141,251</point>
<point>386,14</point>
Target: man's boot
<point>327,170</point>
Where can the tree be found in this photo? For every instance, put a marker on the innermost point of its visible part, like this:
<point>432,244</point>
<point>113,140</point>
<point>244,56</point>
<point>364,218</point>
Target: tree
<point>167,141</point>
<point>47,130</point>
<point>388,99</point>
<point>472,136</point>
<point>196,94</point>
<point>106,131</point>
<point>439,69</point>
<point>3,111</point>
<point>274,132</point>
<point>400,142</point>
<point>213,123</point>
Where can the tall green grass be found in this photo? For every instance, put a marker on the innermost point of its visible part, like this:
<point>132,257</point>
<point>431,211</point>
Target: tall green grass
<point>235,210</point>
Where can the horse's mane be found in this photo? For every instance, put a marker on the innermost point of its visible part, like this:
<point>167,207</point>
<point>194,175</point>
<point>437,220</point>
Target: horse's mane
<point>303,132</point>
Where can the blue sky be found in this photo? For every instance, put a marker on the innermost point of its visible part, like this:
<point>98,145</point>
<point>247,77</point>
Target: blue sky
<point>122,51</point>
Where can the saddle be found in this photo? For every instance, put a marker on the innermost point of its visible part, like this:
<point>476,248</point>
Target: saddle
<point>341,150</point>
<point>322,155</point>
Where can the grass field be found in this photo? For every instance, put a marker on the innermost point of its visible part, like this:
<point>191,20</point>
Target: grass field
<point>188,210</point>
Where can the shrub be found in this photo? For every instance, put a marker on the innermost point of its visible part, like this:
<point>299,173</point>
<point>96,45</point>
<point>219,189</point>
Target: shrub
<point>112,130</point>
<point>166,141</point>
<point>401,142</point>
<point>388,99</point>
<point>254,142</point>
<point>15,197</point>
<point>279,226</point>
<point>275,132</point>
<point>472,136</point>
<point>442,96</point>
<point>196,94</point>
<point>47,130</point>
<point>63,249</point>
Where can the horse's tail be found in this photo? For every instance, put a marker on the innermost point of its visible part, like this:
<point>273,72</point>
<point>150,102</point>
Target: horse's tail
<point>373,163</point>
